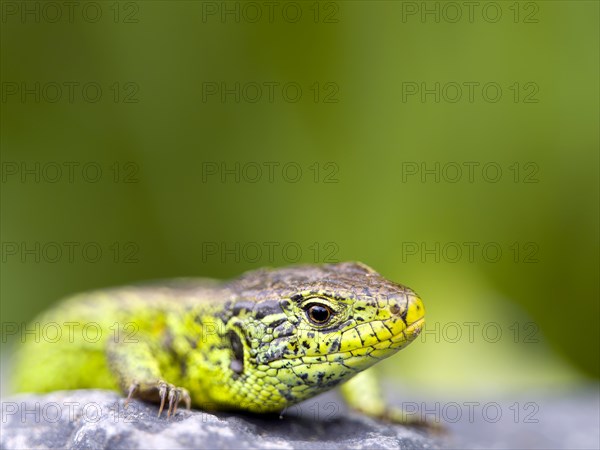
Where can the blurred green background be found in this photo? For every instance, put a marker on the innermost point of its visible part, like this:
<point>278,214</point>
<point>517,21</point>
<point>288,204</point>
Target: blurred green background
<point>146,92</point>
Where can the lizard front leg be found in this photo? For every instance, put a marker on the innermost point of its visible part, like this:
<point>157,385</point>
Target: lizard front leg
<point>136,364</point>
<point>363,393</point>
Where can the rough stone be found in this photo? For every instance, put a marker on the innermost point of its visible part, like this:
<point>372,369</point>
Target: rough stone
<point>96,419</point>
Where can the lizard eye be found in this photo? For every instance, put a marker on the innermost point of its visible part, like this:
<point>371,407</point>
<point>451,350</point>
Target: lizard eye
<point>318,314</point>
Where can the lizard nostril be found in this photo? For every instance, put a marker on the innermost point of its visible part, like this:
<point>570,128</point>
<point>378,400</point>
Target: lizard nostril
<point>395,308</point>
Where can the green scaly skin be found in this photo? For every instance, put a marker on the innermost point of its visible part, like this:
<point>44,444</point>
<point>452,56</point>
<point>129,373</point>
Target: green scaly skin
<point>258,343</point>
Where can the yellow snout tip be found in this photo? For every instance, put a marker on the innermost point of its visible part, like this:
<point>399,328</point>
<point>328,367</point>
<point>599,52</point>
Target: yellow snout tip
<point>415,317</point>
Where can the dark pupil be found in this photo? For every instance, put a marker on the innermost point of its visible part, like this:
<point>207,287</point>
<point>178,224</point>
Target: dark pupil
<point>319,314</point>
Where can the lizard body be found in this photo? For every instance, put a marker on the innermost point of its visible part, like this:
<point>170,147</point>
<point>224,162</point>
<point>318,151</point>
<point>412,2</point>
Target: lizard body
<point>262,342</point>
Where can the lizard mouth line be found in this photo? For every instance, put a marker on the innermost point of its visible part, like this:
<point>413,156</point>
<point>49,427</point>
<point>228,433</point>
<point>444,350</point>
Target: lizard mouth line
<point>416,324</point>
<point>412,329</point>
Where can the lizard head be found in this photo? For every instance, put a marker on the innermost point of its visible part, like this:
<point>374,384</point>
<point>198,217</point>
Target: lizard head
<point>302,330</point>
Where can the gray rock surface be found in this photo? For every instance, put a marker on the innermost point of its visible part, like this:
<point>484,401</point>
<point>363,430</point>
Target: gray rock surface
<point>96,419</point>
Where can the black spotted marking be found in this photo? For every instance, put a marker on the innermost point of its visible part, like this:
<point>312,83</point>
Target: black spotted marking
<point>237,361</point>
<point>286,304</point>
<point>224,314</point>
<point>403,315</point>
<point>267,308</point>
<point>242,306</point>
<point>288,395</point>
<point>276,351</point>
<point>335,345</point>
<point>285,329</point>
<point>276,323</point>
<point>297,298</point>
<point>395,308</point>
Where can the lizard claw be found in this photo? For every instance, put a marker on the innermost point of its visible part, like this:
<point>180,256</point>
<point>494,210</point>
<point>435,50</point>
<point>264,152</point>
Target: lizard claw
<point>175,395</point>
<point>173,401</point>
<point>132,390</point>
<point>162,393</point>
